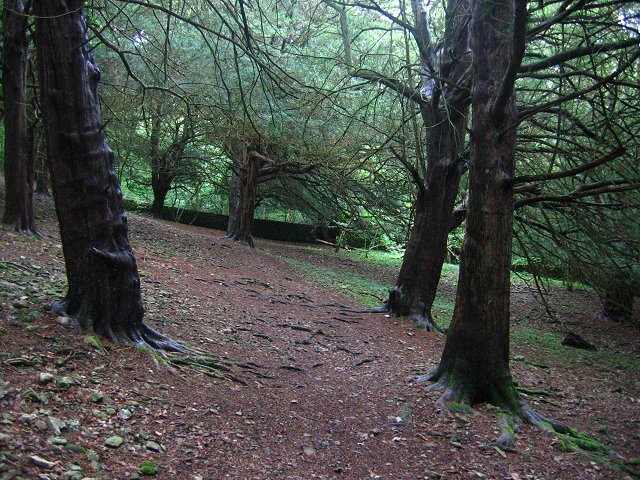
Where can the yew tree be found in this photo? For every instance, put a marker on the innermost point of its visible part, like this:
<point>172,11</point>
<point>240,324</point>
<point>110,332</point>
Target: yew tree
<point>442,101</point>
<point>474,366</point>
<point>18,163</point>
<point>103,294</point>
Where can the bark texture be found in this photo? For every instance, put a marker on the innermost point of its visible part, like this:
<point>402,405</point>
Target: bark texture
<point>103,283</point>
<point>167,163</point>
<point>160,176</point>
<point>445,119</point>
<point>18,163</point>
<point>475,362</point>
<point>618,302</point>
<point>247,185</point>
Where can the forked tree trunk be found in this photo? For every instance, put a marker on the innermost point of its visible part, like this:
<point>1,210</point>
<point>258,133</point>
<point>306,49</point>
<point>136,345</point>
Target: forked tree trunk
<point>475,362</point>
<point>18,163</point>
<point>103,283</point>
<point>445,119</point>
<point>247,184</point>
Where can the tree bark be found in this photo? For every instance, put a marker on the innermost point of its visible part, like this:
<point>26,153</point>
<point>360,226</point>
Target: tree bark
<point>475,362</point>
<point>160,177</point>
<point>618,303</point>
<point>18,163</point>
<point>247,185</point>
<point>234,189</point>
<point>445,120</point>
<point>103,294</point>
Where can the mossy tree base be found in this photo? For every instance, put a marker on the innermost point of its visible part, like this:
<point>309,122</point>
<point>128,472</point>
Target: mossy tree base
<point>403,305</point>
<point>499,392</point>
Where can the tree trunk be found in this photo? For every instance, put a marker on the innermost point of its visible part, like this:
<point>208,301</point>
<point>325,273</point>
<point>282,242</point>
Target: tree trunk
<point>40,160</point>
<point>103,283</point>
<point>475,362</point>
<point>445,120</point>
<point>18,164</point>
<point>160,180</point>
<point>618,303</point>
<point>241,226</point>
<point>234,189</point>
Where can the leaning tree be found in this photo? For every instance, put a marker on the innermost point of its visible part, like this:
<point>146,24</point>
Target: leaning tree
<point>103,294</point>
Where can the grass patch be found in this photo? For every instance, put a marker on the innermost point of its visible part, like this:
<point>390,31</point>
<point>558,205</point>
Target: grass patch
<point>363,290</point>
<point>551,343</point>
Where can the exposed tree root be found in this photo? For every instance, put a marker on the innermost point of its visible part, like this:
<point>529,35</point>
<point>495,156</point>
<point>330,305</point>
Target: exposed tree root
<point>164,349</point>
<point>401,305</point>
<point>515,410</point>
<point>28,230</point>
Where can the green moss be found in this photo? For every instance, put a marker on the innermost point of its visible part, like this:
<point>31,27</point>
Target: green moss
<point>156,356</point>
<point>94,342</point>
<point>147,467</point>
<point>575,440</point>
<point>460,407</point>
<point>634,461</point>
<point>3,331</point>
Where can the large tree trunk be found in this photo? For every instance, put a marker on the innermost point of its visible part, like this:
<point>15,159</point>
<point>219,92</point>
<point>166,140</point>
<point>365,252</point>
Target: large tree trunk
<point>160,176</point>
<point>417,283</point>
<point>18,164</point>
<point>475,362</point>
<point>445,119</point>
<point>247,185</point>
<point>103,283</point>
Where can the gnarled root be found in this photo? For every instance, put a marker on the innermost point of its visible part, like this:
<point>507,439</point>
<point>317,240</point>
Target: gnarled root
<point>400,305</point>
<point>504,396</point>
<point>163,349</point>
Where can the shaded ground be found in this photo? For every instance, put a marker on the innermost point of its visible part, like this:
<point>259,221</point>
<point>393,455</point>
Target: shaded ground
<point>328,391</point>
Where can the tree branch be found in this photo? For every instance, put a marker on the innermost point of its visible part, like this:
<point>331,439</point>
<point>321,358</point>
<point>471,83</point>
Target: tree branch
<point>571,172</point>
<point>577,53</point>
<point>417,179</point>
<point>395,85</point>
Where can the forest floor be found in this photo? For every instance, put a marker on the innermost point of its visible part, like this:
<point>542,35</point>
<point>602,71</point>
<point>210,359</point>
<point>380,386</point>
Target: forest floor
<point>327,392</point>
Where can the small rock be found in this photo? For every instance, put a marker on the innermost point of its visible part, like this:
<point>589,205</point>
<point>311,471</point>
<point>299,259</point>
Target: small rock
<point>96,396</point>
<point>64,321</point>
<point>114,441</point>
<point>75,448</point>
<point>4,438</point>
<point>92,456</point>
<point>55,425</point>
<point>153,446</point>
<point>73,475</point>
<point>65,383</point>
<point>58,440</point>
<point>30,395</point>
<point>125,414</point>
<point>45,377</point>
<point>432,474</point>
<point>309,450</point>
<point>41,462</point>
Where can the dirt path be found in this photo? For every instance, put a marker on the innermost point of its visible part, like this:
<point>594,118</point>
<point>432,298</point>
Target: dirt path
<point>328,393</point>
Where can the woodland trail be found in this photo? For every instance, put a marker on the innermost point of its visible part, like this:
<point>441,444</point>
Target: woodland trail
<point>328,391</point>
